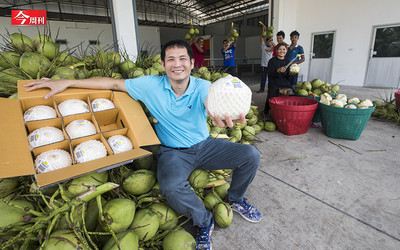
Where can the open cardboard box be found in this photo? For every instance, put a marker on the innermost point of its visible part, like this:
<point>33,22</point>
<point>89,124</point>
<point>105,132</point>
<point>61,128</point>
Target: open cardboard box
<point>128,118</point>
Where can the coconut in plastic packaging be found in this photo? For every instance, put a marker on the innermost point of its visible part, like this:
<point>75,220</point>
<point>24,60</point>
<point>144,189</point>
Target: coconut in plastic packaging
<point>229,95</point>
<point>89,150</point>
<point>100,104</point>
<point>73,106</point>
<point>80,128</point>
<point>52,160</point>
<point>120,143</point>
<point>40,112</point>
<point>44,136</point>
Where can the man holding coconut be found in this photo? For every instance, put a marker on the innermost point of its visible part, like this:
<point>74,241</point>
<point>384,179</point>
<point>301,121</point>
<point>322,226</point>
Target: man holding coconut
<point>179,103</point>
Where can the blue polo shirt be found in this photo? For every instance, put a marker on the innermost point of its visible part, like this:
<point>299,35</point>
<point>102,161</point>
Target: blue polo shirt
<point>229,56</point>
<point>181,121</point>
<point>298,50</point>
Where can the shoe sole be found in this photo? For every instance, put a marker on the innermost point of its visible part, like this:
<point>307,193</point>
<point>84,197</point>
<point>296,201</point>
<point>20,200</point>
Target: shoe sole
<point>244,217</point>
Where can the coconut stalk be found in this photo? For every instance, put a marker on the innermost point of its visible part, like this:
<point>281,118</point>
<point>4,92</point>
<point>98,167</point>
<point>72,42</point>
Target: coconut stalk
<point>52,217</point>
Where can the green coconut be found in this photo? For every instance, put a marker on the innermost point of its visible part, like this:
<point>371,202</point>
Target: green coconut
<point>157,58</point>
<point>302,92</point>
<point>222,190</point>
<point>126,66</point>
<point>236,132</point>
<point>84,183</point>
<point>151,71</point>
<point>64,58</point>
<point>257,128</point>
<point>119,213</point>
<point>7,186</point>
<point>127,240</point>
<point>139,182</point>
<point>270,126</point>
<point>108,60</point>
<point>248,133</point>
<point>223,214</point>
<point>36,65</point>
<point>378,104</point>
<point>202,70</point>
<point>207,76</point>
<point>40,39</point>
<point>145,224</point>
<point>9,59</point>
<point>21,42</point>
<point>11,75</point>
<point>138,72</point>
<point>215,76</point>
<point>66,71</point>
<point>179,239</point>
<point>316,83</point>
<point>48,49</point>
<point>198,178</point>
<point>307,86</point>
<point>13,214</point>
<point>167,216</point>
<point>252,120</point>
<point>211,199</point>
<point>158,67</point>
<point>64,240</point>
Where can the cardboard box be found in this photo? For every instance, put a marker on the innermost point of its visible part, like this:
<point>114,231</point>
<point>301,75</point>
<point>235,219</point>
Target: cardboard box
<point>127,118</point>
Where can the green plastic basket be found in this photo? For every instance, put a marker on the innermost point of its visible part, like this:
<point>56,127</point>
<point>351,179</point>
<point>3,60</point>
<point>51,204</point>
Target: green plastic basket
<point>317,116</point>
<point>344,123</point>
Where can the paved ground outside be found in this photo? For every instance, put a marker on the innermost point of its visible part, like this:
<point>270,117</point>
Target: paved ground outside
<point>314,194</point>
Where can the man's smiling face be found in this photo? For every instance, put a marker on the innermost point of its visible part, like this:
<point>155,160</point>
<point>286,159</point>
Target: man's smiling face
<point>177,64</point>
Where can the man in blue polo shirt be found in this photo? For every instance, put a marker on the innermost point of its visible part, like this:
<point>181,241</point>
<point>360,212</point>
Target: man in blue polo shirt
<point>228,53</point>
<point>293,50</point>
<point>179,103</point>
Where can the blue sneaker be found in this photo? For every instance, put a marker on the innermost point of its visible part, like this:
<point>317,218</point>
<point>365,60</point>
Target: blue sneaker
<point>247,211</point>
<point>203,237</point>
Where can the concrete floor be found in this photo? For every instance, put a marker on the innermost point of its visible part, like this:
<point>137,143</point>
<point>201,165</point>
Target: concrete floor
<point>331,197</point>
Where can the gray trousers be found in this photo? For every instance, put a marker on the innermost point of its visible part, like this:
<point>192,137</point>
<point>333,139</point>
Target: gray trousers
<point>175,165</point>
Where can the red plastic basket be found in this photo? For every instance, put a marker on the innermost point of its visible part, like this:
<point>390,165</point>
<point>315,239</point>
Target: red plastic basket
<point>397,98</point>
<point>292,114</point>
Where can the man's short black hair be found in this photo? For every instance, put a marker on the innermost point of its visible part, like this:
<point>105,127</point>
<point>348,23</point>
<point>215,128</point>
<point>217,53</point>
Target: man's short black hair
<point>294,33</point>
<point>224,41</point>
<point>176,43</point>
<point>281,33</point>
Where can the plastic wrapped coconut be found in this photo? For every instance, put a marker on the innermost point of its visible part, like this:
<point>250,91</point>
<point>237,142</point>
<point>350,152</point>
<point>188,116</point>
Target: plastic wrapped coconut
<point>73,106</point>
<point>100,104</point>
<point>39,112</point>
<point>89,150</point>
<point>80,128</point>
<point>44,136</point>
<point>229,95</point>
<point>52,160</point>
<point>120,143</point>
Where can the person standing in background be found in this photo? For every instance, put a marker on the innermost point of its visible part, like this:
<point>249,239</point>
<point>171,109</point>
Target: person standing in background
<point>198,51</point>
<point>228,53</point>
<point>266,54</point>
<point>280,38</point>
<point>293,50</point>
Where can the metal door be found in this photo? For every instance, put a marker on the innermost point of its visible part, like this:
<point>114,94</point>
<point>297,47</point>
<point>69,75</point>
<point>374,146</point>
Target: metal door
<point>384,59</point>
<point>321,56</point>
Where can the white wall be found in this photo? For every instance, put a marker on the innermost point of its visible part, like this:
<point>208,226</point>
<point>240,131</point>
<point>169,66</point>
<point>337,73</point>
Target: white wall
<point>353,22</point>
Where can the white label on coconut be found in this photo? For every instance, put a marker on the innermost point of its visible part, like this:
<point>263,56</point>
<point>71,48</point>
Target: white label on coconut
<point>34,137</point>
<point>236,83</point>
<point>43,166</point>
<point>80,154</point>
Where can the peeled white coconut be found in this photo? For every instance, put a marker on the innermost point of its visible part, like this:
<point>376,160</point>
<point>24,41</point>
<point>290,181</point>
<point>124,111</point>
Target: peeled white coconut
<point>325,98</point>
<point>353,100</point>
<point>351,106</point>
<point>89,150</point>
<point>80,128</point>
<point>102,104</point>
<point>342,97</point>
<point>39,112</point>
<point>294,69</point>
<point>52,160</point>
<point>365,104</point>
<point>120,143</point>
<point>229,95</point>
<point>44,136</point>
<point>73,106</point>
<point>337,103</point>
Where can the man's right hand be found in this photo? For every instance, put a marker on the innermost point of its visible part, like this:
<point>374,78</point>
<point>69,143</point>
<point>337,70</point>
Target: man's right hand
<point>55,86</point>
